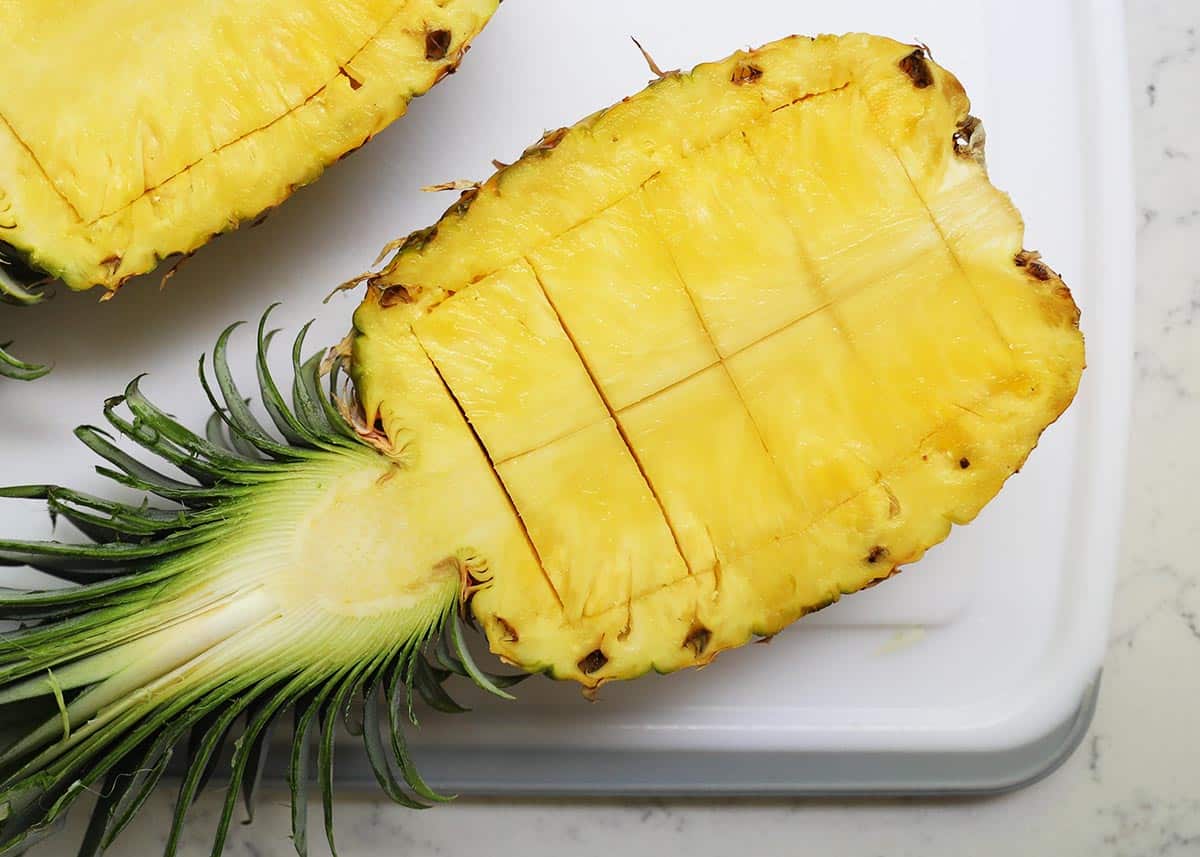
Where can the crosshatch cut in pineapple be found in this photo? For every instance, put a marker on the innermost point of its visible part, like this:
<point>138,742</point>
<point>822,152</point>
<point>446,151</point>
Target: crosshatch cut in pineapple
<point>741,344</point>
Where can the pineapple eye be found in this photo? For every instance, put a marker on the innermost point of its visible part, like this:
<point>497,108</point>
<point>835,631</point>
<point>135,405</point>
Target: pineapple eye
<point>437,44</point>
<point>592,662</point>
<point>917,68</point>
<point>510,634</point>
<point>698,640</point>
<point>746,73</point>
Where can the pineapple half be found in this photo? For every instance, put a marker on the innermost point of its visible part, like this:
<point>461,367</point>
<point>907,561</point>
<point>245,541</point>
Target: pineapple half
<point>191,117</point>
<point>730,349</point>
<point>699,365</point>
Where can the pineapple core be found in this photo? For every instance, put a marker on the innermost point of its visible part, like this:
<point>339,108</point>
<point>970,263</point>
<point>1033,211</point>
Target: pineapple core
<point>741,344</point>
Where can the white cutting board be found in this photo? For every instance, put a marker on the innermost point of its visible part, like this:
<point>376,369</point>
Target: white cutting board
<point>986,643</point>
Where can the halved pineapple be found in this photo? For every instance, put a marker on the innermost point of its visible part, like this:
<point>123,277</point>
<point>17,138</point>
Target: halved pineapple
<point>131,131</point>
<point>734,347</point>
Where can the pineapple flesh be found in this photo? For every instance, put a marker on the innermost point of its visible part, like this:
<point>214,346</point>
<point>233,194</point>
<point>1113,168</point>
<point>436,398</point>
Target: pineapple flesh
<point>746,342</point>
<point>114,155</point>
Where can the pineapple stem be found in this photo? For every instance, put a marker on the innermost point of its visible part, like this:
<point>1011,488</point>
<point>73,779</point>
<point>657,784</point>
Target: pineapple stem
<point>177,623</point>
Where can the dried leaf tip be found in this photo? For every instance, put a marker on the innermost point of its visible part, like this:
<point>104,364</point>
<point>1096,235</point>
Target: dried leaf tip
<point>173,270</point>
<point>349,285</point>
<point>457,184</point>
<point>654,69</point>
<point>548,141</point>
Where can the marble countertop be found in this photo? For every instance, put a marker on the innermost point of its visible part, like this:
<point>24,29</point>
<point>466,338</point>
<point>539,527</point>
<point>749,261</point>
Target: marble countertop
<point>1132,789</point>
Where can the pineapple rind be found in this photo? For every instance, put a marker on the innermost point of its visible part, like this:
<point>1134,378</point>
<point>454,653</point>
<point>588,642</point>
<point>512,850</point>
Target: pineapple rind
<point>962,416</point>
<point>95,198</point>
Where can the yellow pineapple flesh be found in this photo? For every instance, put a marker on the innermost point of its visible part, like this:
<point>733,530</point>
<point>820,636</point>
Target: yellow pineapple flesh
<point>132,131</point>
<point>736,346</point>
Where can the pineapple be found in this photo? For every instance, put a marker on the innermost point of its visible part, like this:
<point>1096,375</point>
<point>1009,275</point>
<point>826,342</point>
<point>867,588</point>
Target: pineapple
<point>107,171</point>
<point>735,347</point>
<point>743,343</point>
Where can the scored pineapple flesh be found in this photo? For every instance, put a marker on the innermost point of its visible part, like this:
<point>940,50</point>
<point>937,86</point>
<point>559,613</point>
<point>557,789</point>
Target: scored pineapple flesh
<point>134,130</point>
<point>614,267</point>
<point>743,343</point>
<point>515,337</point>
<point>744,283</point>
<point>595,523</point>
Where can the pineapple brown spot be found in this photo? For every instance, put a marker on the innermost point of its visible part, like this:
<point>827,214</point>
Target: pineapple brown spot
<point>355,83</point>
<point>1030,260</point>
<point>917,68</point>
<point>877,553</point>
<point>592,662</point>
<point>697,640</point>
<point>394,295</point>
<point>510,633</point>
<point>1039,271</point>
<point>964,463</point>
<point>437,44</point>
<point>745,73</point>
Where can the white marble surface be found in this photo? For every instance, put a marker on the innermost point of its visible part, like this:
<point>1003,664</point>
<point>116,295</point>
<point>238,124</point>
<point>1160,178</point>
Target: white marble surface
<point>1133,788</point>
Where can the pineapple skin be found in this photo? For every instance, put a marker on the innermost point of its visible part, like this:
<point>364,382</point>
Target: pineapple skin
<point>110,168</point>
<point>748,341</point>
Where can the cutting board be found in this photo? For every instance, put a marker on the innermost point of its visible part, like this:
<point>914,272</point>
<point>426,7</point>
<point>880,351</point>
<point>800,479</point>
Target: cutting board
<point>973,669</point>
